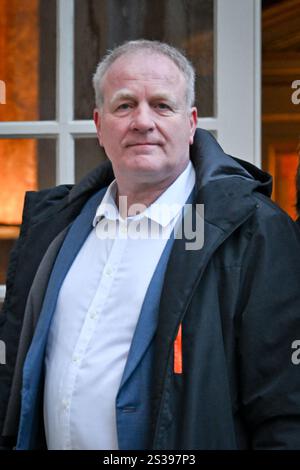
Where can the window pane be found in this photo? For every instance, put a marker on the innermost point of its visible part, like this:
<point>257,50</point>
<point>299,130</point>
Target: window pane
<point>25,165</point>
<point>280,124</point>
<point>27,66</point>
<point>103,24</point>
<point>88,155</point>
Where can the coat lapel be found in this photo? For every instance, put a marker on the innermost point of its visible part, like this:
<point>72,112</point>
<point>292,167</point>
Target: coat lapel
<point>33,367</point>
<point>147,323</point>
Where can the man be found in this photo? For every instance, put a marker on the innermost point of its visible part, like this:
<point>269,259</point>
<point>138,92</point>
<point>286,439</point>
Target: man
<point>131,342</point>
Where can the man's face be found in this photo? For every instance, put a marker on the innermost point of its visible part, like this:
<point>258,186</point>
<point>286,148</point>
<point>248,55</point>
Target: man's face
<point>144,124</point>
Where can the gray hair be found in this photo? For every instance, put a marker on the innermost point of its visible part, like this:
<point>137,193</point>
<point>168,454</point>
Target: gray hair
<point>177,57</point>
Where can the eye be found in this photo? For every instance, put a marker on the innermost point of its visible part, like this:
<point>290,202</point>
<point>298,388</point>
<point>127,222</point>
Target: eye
<point>163,106</point>
<point>123,106</point>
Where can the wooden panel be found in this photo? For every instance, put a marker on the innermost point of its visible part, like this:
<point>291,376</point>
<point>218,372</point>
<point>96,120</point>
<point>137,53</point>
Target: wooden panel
<point>280,26</point>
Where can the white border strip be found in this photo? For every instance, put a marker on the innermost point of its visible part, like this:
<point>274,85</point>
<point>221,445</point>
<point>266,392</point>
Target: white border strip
<point>257,82</point>
<point>65,166</point>
<point>210,124</point>
<point>238,78</point>
<point>29,128</point>
<point>77,128</point>
<point>82,128</point>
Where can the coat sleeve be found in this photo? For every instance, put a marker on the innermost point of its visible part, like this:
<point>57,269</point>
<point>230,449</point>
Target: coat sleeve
<point>24,261</point>
<point>269,329</point>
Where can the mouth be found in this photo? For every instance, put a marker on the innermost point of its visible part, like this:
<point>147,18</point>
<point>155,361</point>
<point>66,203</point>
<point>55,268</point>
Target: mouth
<point>141,144</point>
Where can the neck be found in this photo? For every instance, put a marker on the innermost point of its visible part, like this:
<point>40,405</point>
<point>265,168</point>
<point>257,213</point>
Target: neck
<point>144,194</point>
<point>142,197</point>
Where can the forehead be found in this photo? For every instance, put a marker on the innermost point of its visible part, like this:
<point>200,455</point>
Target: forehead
<point>143,69</point>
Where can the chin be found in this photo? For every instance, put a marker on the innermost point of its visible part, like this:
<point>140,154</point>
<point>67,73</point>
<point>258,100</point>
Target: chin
<point>144,163</point>
<point>143,168</point>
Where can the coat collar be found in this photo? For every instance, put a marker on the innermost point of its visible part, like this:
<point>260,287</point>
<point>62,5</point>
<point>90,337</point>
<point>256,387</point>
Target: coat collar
<point>225,185</point>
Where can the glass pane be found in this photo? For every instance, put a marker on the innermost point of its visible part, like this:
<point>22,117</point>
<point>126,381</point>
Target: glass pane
<point>27,65</point>
<point>280,111</point>
<point>88,155</point>
<point>103,24</point>
<point>285,188</point>
<point>25,165</point>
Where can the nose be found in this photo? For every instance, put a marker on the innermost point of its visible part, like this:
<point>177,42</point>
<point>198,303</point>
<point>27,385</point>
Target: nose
<point>142,119</point>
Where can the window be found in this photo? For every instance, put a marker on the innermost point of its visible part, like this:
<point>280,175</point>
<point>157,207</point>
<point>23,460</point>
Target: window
<point>51,50</point>
<point>280,112</point>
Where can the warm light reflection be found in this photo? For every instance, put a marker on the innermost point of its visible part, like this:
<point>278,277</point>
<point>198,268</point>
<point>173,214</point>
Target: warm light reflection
<point>283,167</point>
<point>19,69</point>
<point>18,174</point>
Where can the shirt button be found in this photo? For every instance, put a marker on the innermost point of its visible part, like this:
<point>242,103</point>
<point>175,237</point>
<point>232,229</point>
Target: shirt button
<point>75,359</point>
<point>123,229</point>
<point>93,314</point>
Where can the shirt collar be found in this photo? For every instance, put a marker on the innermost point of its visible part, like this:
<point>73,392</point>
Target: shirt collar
<point>107,207</point>
<point>163,210</point>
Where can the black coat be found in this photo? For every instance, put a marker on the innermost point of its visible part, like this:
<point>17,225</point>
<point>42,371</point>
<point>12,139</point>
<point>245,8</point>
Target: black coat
<point>238,300</point>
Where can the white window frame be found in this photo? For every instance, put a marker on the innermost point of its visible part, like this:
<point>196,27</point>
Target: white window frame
<point>237,37</point>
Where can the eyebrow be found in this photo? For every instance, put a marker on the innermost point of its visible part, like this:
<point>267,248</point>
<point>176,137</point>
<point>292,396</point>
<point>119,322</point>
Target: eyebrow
<point>127,95</point>
<point>122,95</point>
<point>164,97</point>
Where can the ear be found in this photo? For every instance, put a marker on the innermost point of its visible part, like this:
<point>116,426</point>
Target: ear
<point>97,121</point>
<point>193,123</point>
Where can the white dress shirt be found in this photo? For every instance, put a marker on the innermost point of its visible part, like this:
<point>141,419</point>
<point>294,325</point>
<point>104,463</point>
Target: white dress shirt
<point>95,318</point>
